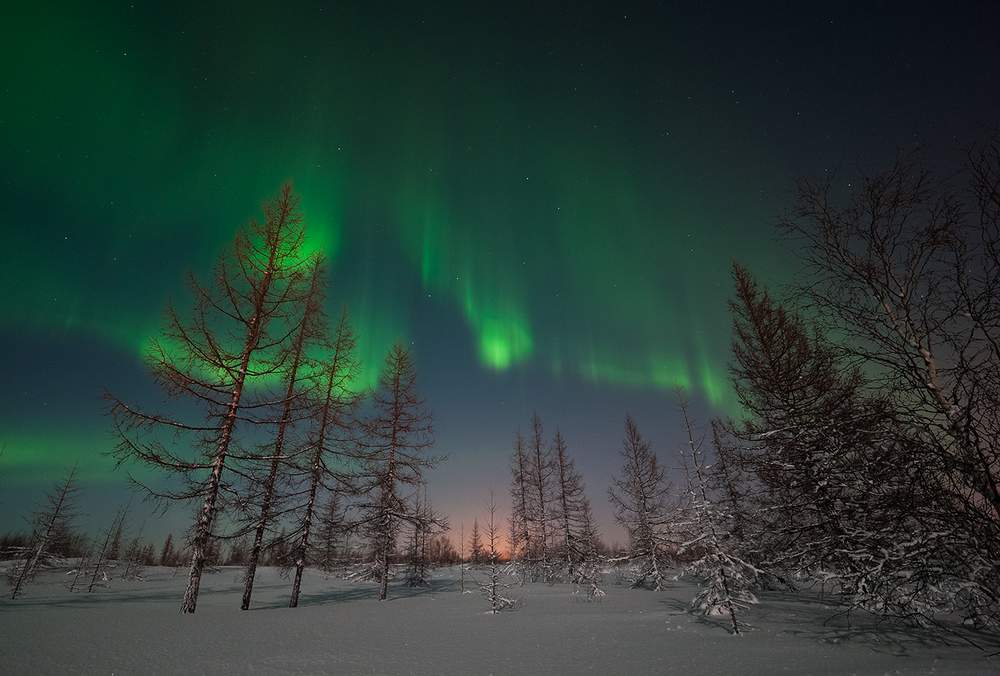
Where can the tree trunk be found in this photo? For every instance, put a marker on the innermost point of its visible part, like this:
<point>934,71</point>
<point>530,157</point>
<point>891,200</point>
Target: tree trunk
<point>203,529</point>
<point>300,558</point>
<point>267,499</point>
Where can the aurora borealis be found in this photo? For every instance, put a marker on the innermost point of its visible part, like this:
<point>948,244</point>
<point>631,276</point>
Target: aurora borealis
<point>542,201</point>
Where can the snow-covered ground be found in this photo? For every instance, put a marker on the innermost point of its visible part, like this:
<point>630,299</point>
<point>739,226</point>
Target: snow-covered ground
<point>340,628</point>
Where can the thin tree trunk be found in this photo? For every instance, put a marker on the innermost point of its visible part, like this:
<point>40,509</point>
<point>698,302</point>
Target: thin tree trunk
<point>29,566</point>
<point>104,551</point>
<point>203,528</point>
<point>267,500</point>
<point>300,558</point>
<point>383,589</point>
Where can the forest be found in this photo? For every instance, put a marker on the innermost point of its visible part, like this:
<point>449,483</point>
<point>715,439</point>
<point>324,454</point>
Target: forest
<point>865,462</point>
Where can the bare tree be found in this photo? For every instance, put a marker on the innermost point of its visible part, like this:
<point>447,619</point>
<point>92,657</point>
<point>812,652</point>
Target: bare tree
<point>167,554</point>
<point>869,453</point>
<point>133,556</point>
<point>332,529</point>
<point>461,555</point>
<point>396,437</point>
<point>421,530</point>
<point>233,336</point>
<point>311,329</point>
<point>102,554</point>
<point>56,516</point>
<point>475,544</point>
<point>81,567</point>
<point>639,497</point>
<point>570,505</point>
<point>117,537</point>
<point>540,471</point>
<point>493,588</point>
<point>520,488</point>
<point>332,445</point>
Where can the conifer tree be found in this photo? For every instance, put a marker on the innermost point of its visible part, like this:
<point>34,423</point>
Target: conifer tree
<point>639,497</point>
<point>540,492</point>
<point>56,516</point>
<point>324,462</point>
<point>167,554</point>
<point>332,527</point>
<point>493,588</point>
<point>475,544</point>
<point>234,335</point>
<point>520,487</point>
<point>727,580</point>
<point>102,554</point>
<point>569,504</point>
<point>397,436</point>
<point>310,330</point>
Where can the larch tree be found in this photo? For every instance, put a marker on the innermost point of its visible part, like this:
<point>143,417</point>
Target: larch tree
<point>329,460</point>
<point>520,488</point>
<point>422,529</point>
<point>234,335</point>
<point>311,330</point>
<point>102,553</point>
<point>870,435</point>
<point>56,516</point>
<point>332,528</point>
<point>493,588</point>
<point>727,580</point>
<point>475,544</point>
<point>396,438</point>
<point>829,477</point>
<point>133,553</point>
<point>167,554</point>
<point>540,478</point>
<point>589,533</point>
<point>569,504</point>
<point>114,551</point>
<point>640,499</point>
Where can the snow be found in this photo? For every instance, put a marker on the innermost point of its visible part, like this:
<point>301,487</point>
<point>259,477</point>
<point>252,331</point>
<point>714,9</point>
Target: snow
<point>136,627</point>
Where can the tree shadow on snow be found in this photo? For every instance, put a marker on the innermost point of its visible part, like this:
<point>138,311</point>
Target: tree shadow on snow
<point>827,620</point>
<point>362,592</point>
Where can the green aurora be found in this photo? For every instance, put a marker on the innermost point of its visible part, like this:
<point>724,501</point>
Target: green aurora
<point>543,202</point>
<point>558,255</point>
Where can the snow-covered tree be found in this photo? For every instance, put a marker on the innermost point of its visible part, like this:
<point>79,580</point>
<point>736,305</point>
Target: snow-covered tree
<point>727,581</point>
<point>904,270</point>
<point>494,588</point>
<point>640,500</point>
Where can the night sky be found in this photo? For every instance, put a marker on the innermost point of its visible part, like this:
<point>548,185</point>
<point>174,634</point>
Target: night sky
<point>542,201</point>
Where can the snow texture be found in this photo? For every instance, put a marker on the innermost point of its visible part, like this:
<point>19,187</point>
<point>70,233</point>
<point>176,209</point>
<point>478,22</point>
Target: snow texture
<point>134,627</point>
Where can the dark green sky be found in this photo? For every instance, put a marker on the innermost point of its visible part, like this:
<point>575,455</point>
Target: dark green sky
<point>542,200</point>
